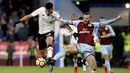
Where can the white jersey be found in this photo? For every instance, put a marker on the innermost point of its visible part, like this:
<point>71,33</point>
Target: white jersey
<point>46,23</point>
<point>73,40</point>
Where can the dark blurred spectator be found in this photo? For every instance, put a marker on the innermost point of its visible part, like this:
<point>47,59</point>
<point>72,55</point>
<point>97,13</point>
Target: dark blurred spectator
<point>13,17</point>
<point>1,34</point>
<point>10,51</point>
<point>11,34</point>
<point>33,28</point>
<point>23,32</point>
<point>32,53</point>
<point>127,61</point>
<point>4,26</point>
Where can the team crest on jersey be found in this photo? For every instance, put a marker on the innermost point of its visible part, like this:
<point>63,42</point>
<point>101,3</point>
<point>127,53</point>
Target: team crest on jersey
<point>103,33</point>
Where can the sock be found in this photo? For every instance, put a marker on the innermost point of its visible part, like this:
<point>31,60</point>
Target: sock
<point>105,69</point>
<point>60,54</point>
<point>75,65</point>
<point>49,51</point>
<point>84,68</point>
<point>107,64</point>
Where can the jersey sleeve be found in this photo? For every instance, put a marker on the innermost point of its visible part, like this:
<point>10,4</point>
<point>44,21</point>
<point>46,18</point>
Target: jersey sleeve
<point>75,22</point>
<point>58,17</point>
<point>107,22</point>
<point>112,33</point>
<point>103,23</point>
<point>95,34</point>
<point>37,12</point>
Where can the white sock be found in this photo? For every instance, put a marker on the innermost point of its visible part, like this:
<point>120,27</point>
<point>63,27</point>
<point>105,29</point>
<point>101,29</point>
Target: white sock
<point>49,51</point>
<point>84,67</point>
<point>75,62</point>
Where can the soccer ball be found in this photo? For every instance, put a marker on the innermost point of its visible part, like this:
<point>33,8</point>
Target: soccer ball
<point>41,62</point>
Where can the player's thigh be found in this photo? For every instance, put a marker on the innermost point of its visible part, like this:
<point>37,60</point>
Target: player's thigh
<point>49,40</point>
<point>106,49</point>
<point>49,37</point>
<point>103,49</point>
<point>71,48</point>
<point>109,49</point>
<point>83,48</point>
<point>42,43</point>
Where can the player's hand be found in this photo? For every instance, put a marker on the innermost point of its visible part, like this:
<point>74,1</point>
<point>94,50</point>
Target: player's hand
<point>119,17</point>
<point>16,23</point>
<point>75,35</point>
<point>106,36</point>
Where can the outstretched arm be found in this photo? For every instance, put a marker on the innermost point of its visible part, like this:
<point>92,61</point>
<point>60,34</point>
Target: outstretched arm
<point>110,21</point>
<point>26,18</point>
<point>75,23</point>
<point>103,23</point>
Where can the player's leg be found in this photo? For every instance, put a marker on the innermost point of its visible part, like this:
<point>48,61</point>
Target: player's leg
<point>69,48</point>
<point>42,45</point>
<point>88,53</point>
<point>49,42</point>
<point>86,65</point>
<point>106,50</point>
<point>75,61</point>
<point>109,50</point>
<point>84,68</point>
<point>92,63</point>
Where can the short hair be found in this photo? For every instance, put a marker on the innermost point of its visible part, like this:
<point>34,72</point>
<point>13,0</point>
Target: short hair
<point>102,17</point>
<point>88,13</point>
<point>80,18</point>
<point>49,5</point>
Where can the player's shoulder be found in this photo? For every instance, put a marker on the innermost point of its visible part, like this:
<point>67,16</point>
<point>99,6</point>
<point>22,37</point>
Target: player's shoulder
<point>95,22</point>
<point>55,13</point>
<point>41,8</point>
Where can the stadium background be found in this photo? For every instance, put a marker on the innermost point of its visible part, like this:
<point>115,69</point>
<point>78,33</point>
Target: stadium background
<point>12,10</point>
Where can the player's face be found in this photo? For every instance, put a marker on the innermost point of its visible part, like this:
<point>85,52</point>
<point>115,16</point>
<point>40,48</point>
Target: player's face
<point>74,17</point>
<point>102,20</point>
<point>49,12</point>
<point>86,19</point>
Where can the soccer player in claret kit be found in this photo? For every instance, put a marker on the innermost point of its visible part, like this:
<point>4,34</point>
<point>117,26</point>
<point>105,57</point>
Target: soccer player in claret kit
<point>105,34</point>
<point>46,17</point>
<point>86,35</point>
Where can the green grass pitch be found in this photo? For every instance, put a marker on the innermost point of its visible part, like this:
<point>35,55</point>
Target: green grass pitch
<point>34,69</point>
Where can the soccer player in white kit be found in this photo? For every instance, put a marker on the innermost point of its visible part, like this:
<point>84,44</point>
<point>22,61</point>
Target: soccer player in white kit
<point>46,18</point>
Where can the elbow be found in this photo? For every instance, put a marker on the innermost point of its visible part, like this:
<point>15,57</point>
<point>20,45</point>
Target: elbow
<point>113,35</point>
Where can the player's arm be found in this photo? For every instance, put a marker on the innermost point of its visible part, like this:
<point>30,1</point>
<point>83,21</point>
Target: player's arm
<point>110,21</point>
<point>103,23</point>
<point>96,34</point>
<point>68,22</point>
<point>27,17</point>
<point>111,31</point>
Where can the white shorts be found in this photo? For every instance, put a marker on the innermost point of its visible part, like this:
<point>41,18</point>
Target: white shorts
<point>106,49</point>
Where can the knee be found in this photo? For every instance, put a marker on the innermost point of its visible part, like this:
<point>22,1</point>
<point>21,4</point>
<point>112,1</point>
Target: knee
<point>94,67</point>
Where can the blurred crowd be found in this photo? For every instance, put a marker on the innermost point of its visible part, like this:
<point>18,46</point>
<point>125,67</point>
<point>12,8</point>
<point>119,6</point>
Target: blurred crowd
<point>10,12</point>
